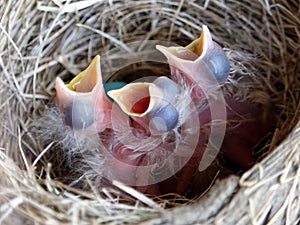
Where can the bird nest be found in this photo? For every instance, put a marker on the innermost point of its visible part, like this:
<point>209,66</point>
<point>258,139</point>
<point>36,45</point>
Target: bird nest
<point>44,39</point>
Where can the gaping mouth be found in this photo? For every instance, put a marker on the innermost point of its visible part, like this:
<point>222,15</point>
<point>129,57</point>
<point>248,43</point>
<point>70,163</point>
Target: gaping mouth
<point>86,80</point>
<point>202,61</point>
<point>134,98</point>
<point>83,84</point>
<point>196,50</point>
<point>82,100</point>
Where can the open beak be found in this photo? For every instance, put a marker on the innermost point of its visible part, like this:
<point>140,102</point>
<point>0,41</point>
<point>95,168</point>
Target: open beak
<point>135,99</point>
<point>202,61</point>
<point>83,100</point>
<point>150,104</point>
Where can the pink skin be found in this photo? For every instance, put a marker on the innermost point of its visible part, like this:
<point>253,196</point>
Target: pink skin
<point>204,62</point>
<point>237,147</point>
<point>247,124</point>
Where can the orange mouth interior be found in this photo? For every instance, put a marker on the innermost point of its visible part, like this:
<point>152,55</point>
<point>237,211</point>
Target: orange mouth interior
<point>141,105</point>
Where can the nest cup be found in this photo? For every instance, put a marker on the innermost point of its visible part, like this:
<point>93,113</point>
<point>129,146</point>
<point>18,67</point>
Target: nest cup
<point>42,40</point>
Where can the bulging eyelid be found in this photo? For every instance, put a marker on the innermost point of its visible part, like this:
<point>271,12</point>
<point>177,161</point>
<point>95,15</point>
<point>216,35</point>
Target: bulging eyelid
<point>164,118</point>
<point>218,63</point>
<point>79,115</point>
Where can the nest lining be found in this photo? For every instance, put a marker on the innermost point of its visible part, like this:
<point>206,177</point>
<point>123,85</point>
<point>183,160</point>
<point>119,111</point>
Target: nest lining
<point>40,41</point>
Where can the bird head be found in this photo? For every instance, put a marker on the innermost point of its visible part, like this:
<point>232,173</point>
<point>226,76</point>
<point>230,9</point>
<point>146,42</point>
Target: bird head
<point>201,62</point>
<point>152,105</point>
<point>83,100</point>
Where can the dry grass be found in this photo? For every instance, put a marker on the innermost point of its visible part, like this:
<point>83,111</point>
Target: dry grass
<point>42,40</point>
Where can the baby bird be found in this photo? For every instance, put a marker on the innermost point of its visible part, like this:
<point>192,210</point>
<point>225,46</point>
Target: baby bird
<point>157,136</point>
